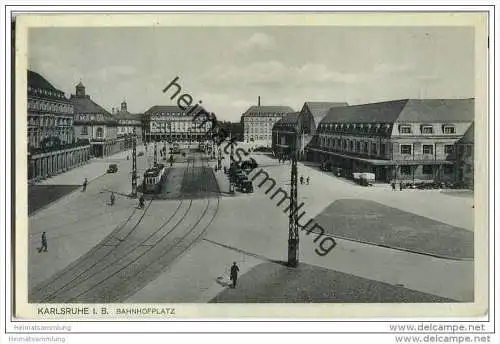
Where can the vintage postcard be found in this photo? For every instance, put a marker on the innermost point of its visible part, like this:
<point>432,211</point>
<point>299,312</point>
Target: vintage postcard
<point>270,165</point>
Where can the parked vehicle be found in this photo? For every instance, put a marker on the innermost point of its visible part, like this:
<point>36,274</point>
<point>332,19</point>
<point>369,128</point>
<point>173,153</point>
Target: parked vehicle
<point>112,168</point>
<point>249,164</point>
<point>326,166</point>
<point>246,186</point>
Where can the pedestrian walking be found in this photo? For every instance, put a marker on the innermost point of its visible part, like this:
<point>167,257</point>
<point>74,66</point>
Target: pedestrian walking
<point>84,185</point>
<point>301,180</point>
<point>112,198</point>
<point>141,201</point>
<point>44,243</point>
<point>234,274</point>
<point>401,186</point>
<point>307,180</point>
<point>393,185</point>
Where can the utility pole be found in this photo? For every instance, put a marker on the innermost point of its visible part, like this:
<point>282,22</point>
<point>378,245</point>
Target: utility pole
<point>231,182</point>
<point>293,221</point>
<point>134,166</point>
<point>155,156</point>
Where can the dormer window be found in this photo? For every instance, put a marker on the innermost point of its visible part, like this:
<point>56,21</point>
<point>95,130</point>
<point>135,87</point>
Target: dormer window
<point>404,129</point>
<point>449,129</point>
<point>427,129</point>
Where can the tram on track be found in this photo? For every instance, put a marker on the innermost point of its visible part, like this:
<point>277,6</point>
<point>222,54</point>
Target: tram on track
<point>154,178</point>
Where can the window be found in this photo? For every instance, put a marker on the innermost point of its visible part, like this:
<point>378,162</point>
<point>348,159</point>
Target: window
<point>449,129</point>
<point>448,149</point>
<point>84,131</point>
<point>405,149</point>
<point>358,146</point>
<point>428,149</point>
<point>374,148</point>
<point>405,129</point>
<point>365,148</point>
<point>448,169</point>
<point>382,149</point>
<point>427,129</point>
<point>405,170</point>
<point>351,146</point>
<point>99,132</point>
<point>427,169</point>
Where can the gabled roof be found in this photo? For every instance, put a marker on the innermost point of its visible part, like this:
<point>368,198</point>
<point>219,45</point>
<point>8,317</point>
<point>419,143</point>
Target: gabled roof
<point>320,109</point>
<point>87,105</point>
<point>468,137</point>
<point>255,110</point>
<point>384,112</point>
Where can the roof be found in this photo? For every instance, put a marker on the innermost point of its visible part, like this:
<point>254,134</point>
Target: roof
<point>37,82</point>
<point>171,109</point>
<point>405,110</point>
<point>320,109</point>
<point>289,118</point>
<point>87,105</point>
<point>468,136</point>
<point>265,110</point>
<point>442,110</point>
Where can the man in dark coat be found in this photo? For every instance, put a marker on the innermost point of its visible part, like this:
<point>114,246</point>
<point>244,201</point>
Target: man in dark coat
<point>234,273</point>
<point>84,185</point>
<point>44,242</point>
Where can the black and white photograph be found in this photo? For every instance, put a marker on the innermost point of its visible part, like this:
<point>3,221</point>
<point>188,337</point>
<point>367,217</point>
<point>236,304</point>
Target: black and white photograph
<point>257,164</point>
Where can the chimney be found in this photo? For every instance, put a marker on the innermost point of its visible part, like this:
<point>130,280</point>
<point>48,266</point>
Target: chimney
<point>258,101</point>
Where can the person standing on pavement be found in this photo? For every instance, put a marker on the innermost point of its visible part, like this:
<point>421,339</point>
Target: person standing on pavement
<point>44,243</point>
<point>301,180</point>
<point>393,184</point>
<point>112,198</point>
<point>234,274</point>
<point>307,181</point>
<point>84,185</point>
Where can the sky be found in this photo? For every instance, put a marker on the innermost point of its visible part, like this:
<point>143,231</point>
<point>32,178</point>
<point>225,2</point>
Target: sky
<point>228,68</point>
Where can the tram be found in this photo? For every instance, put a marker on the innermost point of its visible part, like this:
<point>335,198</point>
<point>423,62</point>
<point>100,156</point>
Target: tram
<point>153,179</point>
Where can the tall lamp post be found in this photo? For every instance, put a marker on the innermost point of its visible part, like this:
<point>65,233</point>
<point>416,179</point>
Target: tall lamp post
<point>293,221</point>
<point>134,166</point>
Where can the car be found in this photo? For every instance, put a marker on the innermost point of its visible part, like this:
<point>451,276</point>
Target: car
<point>112,168</point>
<point>246,186</point>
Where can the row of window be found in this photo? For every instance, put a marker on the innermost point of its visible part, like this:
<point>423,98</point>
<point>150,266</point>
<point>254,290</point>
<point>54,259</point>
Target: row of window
<point>427,129</point>
<point>259,137</point>
<point>49,106</point>
<point>48,121</point>
<point>262,119</point>
<point>353,146</point>
<point>45,92</point>
<point>99,131</point>
<point>426,149</point>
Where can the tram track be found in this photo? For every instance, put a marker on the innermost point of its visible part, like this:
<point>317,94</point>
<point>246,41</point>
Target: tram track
<point>113,284</point>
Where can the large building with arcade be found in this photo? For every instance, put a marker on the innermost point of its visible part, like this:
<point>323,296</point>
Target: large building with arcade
<point>52,145</point>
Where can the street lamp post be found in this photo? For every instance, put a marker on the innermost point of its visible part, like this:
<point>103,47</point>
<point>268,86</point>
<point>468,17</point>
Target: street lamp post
<point>134,166</point>
<point>293,221</point>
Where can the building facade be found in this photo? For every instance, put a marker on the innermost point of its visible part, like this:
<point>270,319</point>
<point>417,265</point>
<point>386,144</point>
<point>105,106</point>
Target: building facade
<point>299,128</point>
<point>52,146</point>
<point>465,158</point>
<point>172,124</point>
<point>95,124</point>
<point>258,122</point>
<point>406,140</point>
<point>129,124</point>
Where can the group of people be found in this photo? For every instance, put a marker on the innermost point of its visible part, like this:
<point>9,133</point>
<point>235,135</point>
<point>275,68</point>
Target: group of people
<point>301,179</point>
<point>393,185</point>
<point>112,197</point>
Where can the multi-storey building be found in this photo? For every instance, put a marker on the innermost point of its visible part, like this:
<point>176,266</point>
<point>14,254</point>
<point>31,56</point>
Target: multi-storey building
<point>173,124</point>
<point>129,124</point>
<point>406,140</point>
<point>465,158</point>
<point>299,128</point>
<point>92,122</point>
<point>258,122</point>
<point>52,147</point>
